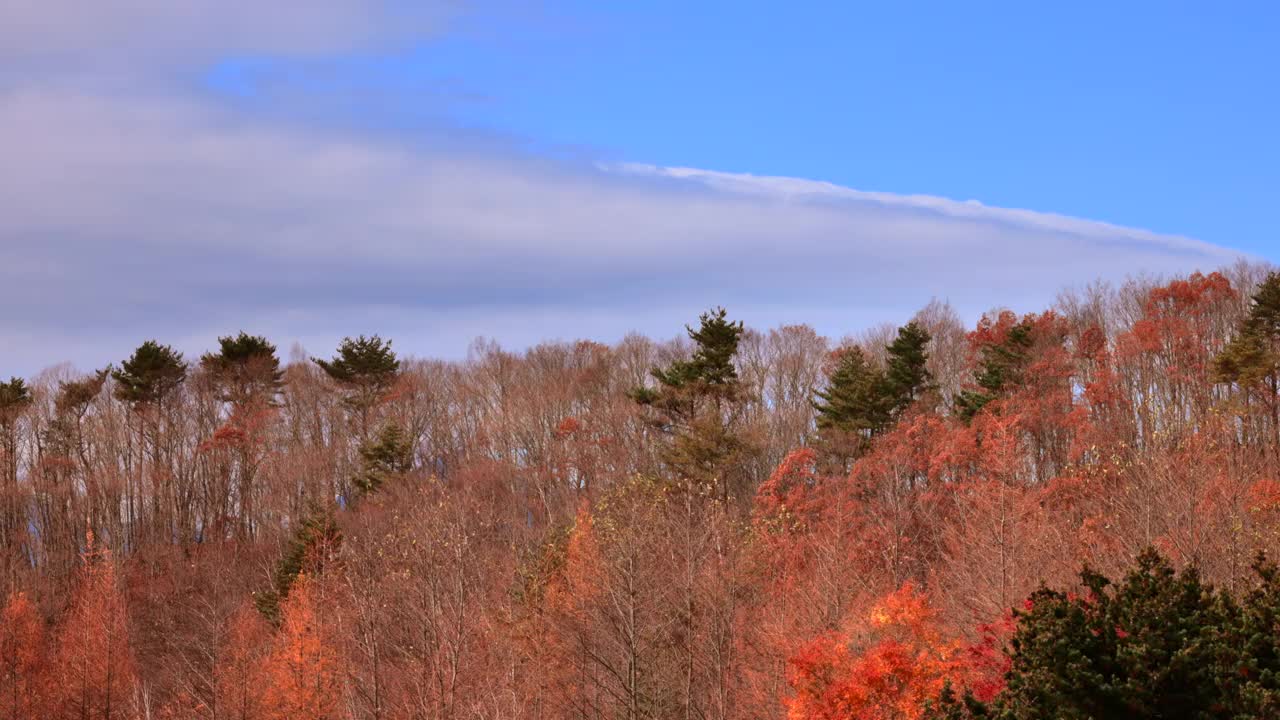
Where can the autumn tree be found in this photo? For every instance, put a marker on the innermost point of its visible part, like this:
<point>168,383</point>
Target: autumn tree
<point>94,670</point>
<point>303,670</point>
<point>366,368</point>
<point>15,397</point>
<point>66,487</point>
<point>239,687</point>
<point>894,672</point>
<point>22,659</point>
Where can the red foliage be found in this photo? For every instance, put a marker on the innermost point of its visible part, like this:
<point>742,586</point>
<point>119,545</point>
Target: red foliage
<point>902,666</point>
<point>238,677</point>
<point>22,659</point>
<point>788,496</point>
<point>94,667</point>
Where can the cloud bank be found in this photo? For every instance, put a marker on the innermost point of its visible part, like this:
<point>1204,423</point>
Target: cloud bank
<point>126,215</point>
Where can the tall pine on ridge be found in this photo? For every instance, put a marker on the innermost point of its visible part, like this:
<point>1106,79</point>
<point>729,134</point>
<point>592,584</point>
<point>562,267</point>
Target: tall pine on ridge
<point>697,401</point>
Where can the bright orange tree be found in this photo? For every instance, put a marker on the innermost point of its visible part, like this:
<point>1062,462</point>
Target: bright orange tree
<point>95,671</point>
<point>890,666</point>
<point>303,667</point>
<point>22,658</point>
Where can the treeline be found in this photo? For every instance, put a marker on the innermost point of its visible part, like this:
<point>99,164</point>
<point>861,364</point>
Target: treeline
<point>732,524</point>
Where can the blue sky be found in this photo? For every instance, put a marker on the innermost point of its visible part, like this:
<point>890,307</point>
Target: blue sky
<point>1156,115</point>
<point>440,170</point>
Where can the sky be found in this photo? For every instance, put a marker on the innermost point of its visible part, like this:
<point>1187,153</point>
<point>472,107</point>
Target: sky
<point>440,170</point>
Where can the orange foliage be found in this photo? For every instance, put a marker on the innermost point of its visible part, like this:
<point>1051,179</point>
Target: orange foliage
<point>238,676</point>
<point>94,672</point>
<point>302,670</point>
<point>902,666</point>
<point>22,659</point>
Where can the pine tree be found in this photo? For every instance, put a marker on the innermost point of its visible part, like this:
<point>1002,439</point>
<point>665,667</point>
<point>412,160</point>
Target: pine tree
<point>696,402</point>
<point>315,543</point>
<point>245,373</point>
<point>1001,366</point>
<point>709,373</point>
<point>1159,644</point>
<point>366,368</point>
<point>852,407</point>
<point>150,374</point>
<point>245,369</point>
<point>907,379</point>
<point>15,397</point>
<point>390,454</point>
<point>1251,359</point>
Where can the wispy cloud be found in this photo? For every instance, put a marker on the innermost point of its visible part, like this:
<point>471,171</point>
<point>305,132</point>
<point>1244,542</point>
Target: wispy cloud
<point>66,31</point>
<point>158,213</point>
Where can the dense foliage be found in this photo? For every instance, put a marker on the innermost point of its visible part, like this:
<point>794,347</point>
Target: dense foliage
<point>733,524</point>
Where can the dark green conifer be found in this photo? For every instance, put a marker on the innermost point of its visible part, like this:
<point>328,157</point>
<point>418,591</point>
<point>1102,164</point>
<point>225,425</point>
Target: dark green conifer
<point>384,457</point>
<point>696,401</point>
<point>1001,367</point>
<point>852,408</point>
<point>366,368</point>
<point>15,397</point>
<point>245,369</point>
<point>1251,360</point>
<point>150,374</point>
<point>1159,644</point>
<point>314,545</point>
<point>907,377</point>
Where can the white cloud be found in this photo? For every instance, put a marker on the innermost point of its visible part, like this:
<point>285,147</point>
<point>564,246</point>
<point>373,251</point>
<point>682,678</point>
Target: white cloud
<point>70,30</point>
<point>133,217</point>
<point>129,213</point>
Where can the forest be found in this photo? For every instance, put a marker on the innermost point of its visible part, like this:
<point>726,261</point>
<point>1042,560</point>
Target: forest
<point>1071,513</point>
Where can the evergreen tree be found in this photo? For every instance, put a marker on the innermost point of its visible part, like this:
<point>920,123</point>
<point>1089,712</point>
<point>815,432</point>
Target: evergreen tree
<point>315,543</point>
<point>245,369</point>
<point>1001,366</point>
<point>1251,359</point>
<point>366,368</point>
<point>852,408</point>
<point>709,373</point>
<point>1160,644</point>
<point>697,402</point>
<point>907,379</point>
<point>150,374</point>
<point>15,397</point>
<point>74,396</point>
<point>390,454</point>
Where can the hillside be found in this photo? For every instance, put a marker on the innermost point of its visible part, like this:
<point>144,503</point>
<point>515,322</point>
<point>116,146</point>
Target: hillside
<point>739,523</point>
